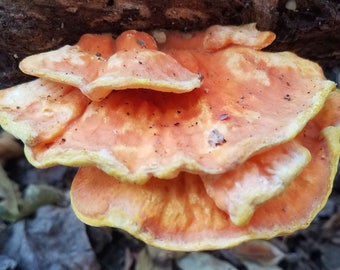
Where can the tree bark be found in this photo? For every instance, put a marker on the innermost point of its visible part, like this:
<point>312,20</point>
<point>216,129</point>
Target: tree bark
<point>311,28</point>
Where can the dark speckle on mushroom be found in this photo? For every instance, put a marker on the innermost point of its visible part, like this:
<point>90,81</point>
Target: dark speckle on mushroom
<point>216,138</point>
<point>141,43</point>
<point>224,116</point>
<point>287,97</point>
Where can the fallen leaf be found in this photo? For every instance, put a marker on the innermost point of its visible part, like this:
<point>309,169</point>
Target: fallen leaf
<point>9,147</point>
<point>39,195</point>
<point>330,255</point>
<point>14,205</point>
<point>260,251</point>
<point>53,239</point>
<point>145,262</point>
<point>330,230</point>
<point>157,259</point>
<point>7,263</point>
<point>255,266</point>
<point>9,197</point>
<point>203,261</point>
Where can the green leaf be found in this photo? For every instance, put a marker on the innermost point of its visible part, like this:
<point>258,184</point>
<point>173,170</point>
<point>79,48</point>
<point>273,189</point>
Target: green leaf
<point>144,261</point>
<point>14,206</point>
<point>39,195</point>
<point>10,197</point>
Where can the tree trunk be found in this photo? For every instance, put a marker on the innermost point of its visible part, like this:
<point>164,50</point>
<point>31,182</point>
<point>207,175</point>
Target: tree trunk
<point>310,28</point>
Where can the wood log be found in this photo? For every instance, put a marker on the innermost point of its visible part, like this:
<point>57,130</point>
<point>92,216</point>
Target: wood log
<point>311,28</point>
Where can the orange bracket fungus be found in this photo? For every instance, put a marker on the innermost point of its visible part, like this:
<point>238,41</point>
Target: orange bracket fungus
<point>207,146</point>
<point>98,64</point>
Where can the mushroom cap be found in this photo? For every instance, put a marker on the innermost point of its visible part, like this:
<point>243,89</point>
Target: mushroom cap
<point>39,111</point>
<point>218,37</point>
<point>248,101</point>
<point>240,191</point>
<point>97,64</point>
<point>178,214</point>
<point>214,38</point>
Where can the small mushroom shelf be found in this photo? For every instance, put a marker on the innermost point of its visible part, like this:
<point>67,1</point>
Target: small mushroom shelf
<point>188,141</point>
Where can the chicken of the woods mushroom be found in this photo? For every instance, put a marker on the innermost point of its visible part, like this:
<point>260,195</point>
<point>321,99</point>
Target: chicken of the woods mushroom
<point>188,141</point>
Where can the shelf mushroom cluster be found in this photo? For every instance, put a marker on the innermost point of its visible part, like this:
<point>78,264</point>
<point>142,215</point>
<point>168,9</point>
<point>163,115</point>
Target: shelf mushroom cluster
<point>208,143</point>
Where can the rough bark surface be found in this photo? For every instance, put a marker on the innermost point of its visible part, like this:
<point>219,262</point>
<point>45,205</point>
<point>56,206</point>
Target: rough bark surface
<point>308,27</point>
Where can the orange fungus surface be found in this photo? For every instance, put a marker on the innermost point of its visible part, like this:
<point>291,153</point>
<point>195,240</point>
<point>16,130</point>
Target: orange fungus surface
<point>211,129</point>
<point>179,214</point>
<point>212,142</point>
<point>97,64</point>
